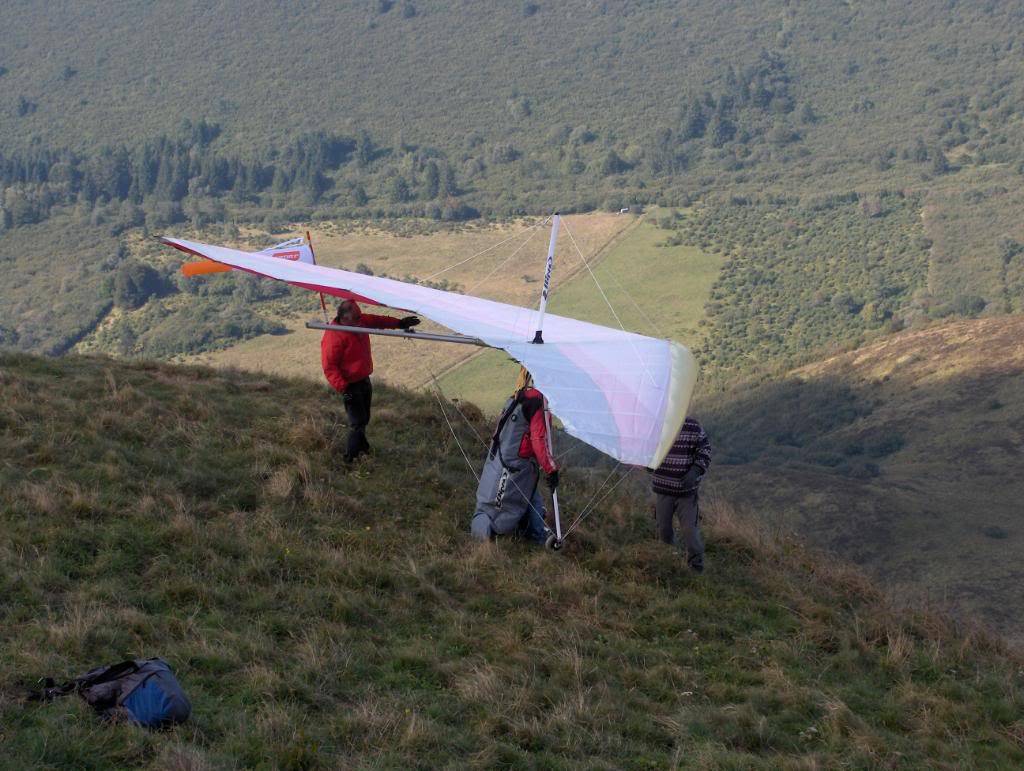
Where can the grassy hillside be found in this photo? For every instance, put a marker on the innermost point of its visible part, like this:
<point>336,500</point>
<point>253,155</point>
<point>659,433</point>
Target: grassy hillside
<point>901,456</point>
<point>524,106</point>
<point>507,70</point>
<point>56,284</point>
<point>810,272</point>
<point>322,617</point>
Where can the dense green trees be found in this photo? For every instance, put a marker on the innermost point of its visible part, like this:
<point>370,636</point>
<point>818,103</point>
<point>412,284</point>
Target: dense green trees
<point>804,276</point>
<point>190,177</point>
<point>135,283</point>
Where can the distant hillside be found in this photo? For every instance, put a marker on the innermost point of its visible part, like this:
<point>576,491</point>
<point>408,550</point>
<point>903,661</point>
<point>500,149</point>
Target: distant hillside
<point>440,72</point>
<point>522,105</point>
<point>902,456</point>
<point>322,617</point>
<point>857,164</point>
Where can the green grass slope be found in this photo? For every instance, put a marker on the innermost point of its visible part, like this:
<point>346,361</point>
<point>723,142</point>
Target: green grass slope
<point>322,617</point>
<point>903,456</point>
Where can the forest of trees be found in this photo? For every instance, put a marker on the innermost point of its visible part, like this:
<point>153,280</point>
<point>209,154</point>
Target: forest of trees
<point>186,178</point>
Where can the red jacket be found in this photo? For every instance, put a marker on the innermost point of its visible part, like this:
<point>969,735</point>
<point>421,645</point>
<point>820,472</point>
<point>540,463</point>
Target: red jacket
<point>346,356</point>
<point>535,440</point>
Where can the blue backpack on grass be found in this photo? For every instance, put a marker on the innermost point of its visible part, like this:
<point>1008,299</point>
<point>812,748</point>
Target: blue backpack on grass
<point>142,691</point>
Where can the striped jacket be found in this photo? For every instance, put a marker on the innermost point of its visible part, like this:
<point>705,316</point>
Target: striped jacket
<point>691,450</point>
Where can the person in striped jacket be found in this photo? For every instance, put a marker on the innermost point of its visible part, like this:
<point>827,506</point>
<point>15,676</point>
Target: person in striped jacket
<point>676,483</point>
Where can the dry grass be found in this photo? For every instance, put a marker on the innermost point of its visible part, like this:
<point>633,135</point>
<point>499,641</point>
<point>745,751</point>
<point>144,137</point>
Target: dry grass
<point>322,617</point>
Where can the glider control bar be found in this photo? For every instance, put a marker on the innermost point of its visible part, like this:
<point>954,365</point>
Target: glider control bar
<point>396,333</point>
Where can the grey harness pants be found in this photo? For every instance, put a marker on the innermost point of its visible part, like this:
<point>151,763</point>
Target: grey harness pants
<point>685,507</point>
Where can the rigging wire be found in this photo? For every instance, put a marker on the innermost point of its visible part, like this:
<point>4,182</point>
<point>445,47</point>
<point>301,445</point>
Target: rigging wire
<point>455,435</point>
<point>532,232</point>
<point>595,501</point>
<point>502,264</point>
<point>437,395</point>
<point>488,249</point>
<point>591,510</point>
<point>599,489</point>
<point>608,303</point>
<point>625,291</point>
<point>480,439</point>
<point>650,322</point>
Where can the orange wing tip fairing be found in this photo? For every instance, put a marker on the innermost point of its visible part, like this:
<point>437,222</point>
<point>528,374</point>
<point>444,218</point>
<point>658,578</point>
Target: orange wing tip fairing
<point>203,267</point>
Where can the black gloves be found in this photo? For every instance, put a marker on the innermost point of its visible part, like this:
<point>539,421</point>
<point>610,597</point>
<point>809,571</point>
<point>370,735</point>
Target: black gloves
<point>408,321</point>
<point>552,480</point>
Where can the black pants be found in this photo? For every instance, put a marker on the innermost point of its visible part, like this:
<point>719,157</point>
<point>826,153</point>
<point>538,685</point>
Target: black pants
<point>358,410</point>
<point>685,507</point>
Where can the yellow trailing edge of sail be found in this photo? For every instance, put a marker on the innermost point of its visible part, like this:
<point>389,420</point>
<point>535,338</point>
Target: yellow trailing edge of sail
<point>682,381</point>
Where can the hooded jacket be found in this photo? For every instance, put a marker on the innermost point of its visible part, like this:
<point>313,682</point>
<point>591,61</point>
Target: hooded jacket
<point>534,443</point>
<point>346,356</point>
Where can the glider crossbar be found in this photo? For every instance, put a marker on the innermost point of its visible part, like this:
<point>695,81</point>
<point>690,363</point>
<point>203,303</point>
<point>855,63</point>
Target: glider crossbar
<point>464,339</point>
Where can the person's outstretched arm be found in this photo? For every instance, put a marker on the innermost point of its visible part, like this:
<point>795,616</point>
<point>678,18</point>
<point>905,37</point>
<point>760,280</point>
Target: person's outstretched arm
<point>387,322</point>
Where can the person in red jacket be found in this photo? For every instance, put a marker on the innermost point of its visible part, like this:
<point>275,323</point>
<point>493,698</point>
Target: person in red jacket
<point>348,362</point>
<point>507,498</point>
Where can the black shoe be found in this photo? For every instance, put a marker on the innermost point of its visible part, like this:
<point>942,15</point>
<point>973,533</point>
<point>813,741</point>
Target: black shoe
<point>697,567</point>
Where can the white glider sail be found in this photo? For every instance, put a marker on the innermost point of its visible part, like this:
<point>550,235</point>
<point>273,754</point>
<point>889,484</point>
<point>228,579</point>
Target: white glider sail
<point>623,393</point>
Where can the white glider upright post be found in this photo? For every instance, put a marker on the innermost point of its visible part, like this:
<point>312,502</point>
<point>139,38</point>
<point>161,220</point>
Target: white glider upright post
<point>538,338</point>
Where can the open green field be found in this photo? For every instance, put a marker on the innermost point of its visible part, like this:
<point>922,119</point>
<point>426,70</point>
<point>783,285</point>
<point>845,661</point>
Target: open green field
<point>655,290</point>
<point>325,618</point>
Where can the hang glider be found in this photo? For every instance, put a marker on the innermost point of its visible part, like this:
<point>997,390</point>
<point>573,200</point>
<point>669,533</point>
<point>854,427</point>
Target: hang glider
<point>294,250</point>
<point>623,393</point>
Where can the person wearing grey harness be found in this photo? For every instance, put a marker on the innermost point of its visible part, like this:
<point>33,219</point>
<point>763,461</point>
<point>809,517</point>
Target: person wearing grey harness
<point>507,498</point>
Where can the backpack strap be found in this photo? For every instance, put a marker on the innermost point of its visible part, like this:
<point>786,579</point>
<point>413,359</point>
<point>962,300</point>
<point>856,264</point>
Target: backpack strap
<point>105,674</point>
<point>50,690</point>
<point>496,437</point>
